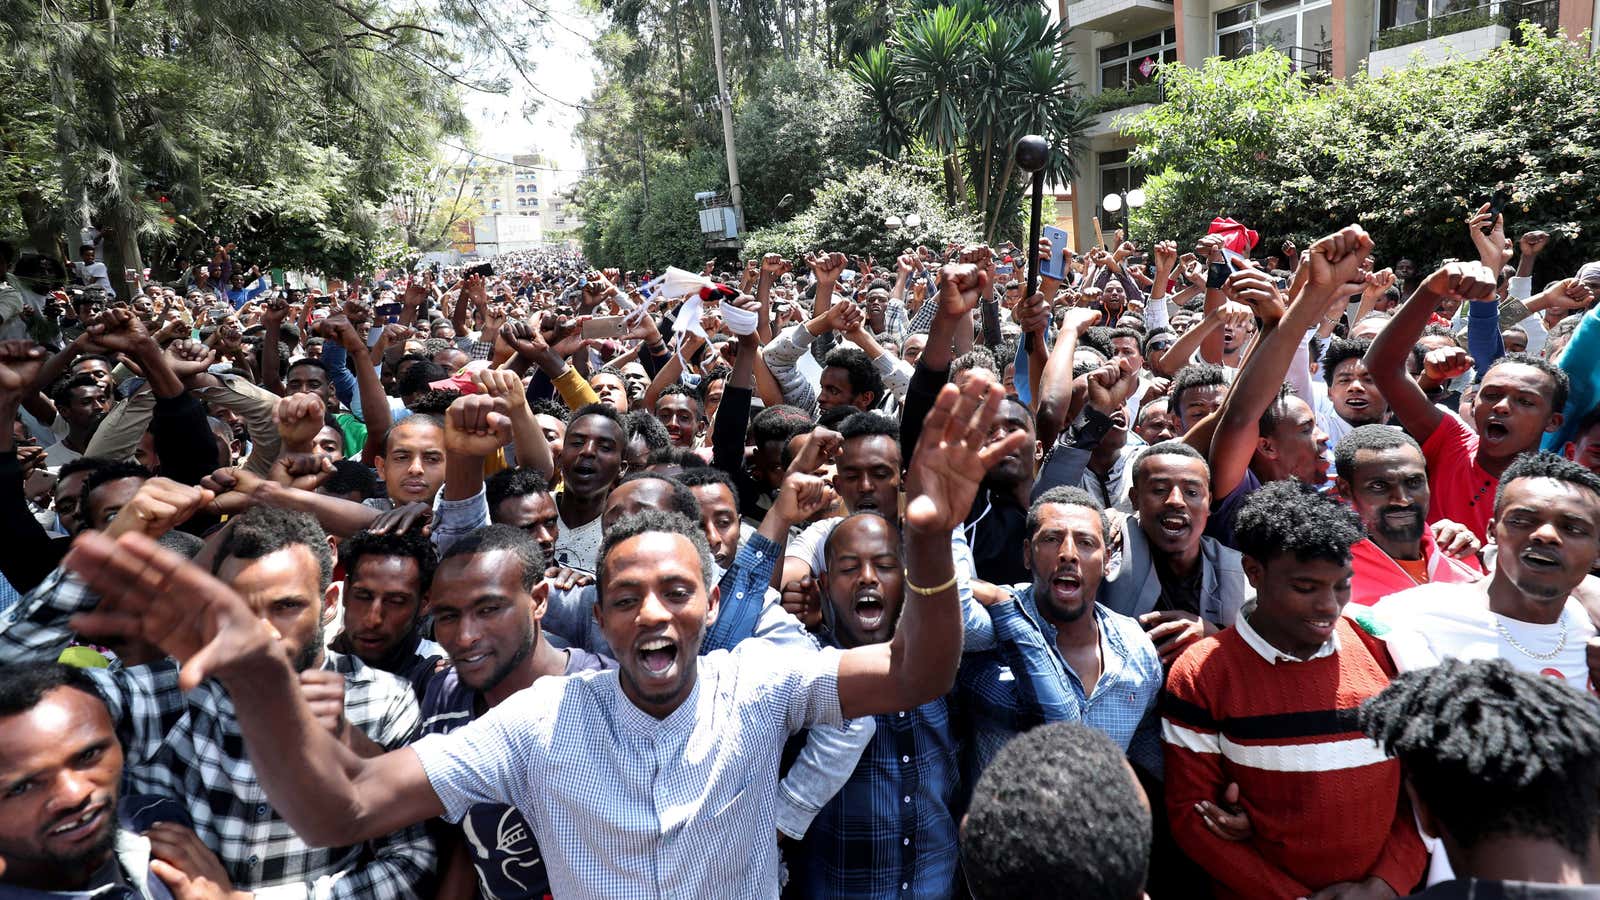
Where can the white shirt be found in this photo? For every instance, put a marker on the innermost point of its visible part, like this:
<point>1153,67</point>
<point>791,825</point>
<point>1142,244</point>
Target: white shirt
<point>94,275</point>
<point>1432,622</point>
<point>579,548</point>
<point>625,805</point>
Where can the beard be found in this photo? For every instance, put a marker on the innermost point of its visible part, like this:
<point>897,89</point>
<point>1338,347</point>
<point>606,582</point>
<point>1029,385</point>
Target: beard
<point>306,659</point>
<point>525,643</point>
<point>1401,534</point>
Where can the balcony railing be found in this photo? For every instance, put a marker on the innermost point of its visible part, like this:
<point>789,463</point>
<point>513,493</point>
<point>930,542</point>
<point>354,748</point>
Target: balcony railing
<point>1315,63</point>
<point>1542,13</point>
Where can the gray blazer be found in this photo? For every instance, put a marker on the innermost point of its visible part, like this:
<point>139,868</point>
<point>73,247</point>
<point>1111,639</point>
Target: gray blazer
<point>1133,588</point>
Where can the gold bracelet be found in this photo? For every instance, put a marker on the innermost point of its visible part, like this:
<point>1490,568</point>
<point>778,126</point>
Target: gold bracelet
<point>928,592</point>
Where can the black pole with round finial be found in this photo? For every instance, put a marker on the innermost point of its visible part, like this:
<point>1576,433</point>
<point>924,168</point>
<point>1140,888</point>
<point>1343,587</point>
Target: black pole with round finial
<point>1033,154</point>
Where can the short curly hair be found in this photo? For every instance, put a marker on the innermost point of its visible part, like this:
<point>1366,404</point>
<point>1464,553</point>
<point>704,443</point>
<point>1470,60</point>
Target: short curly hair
<point>409,544</point>
<point>1543,465</point>
<point>1493,751</point>
<point>1057,814</point>
<point>864,379</point>
<point>1288,517</point>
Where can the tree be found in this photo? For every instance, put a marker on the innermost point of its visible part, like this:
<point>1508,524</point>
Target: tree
<point>1405,154</point>
<point>169,120</point>
<point>800,125</point>
<point>430,200</point>
<point>969,79</point>
<point>621,230</point>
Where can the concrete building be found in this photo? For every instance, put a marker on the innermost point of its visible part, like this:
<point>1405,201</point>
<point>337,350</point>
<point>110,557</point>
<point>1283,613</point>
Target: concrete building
<point>507,190</point>
<point>1116,45</point>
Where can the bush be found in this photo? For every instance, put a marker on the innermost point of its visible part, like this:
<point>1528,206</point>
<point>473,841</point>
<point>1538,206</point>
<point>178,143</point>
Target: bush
<point>1406,154</point>
<point>848,216</point>
<point>1119,98</point>
<point>1438,26</point>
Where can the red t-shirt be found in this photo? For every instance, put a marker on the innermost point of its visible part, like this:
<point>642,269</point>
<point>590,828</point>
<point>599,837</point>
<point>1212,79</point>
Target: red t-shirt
<point>1461,490</point>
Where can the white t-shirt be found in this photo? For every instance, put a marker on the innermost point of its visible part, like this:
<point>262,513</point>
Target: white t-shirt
<point>1432,622</point>
<point>579,548</point>
<point>94,274</point>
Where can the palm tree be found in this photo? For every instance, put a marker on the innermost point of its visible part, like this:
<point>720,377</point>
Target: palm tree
<point>967,79</point>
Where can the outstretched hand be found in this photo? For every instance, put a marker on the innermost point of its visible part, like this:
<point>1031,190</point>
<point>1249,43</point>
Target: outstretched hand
<point>951,457</point>
<point>150,594</point>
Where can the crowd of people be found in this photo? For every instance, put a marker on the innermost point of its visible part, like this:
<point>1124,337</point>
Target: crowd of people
<point>1246,571</point>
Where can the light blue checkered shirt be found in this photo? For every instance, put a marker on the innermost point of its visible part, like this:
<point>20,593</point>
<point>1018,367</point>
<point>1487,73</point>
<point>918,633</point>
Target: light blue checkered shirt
<point>625,805</point>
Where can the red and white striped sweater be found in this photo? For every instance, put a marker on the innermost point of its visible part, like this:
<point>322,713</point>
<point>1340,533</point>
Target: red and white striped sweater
<point>1324,802</point>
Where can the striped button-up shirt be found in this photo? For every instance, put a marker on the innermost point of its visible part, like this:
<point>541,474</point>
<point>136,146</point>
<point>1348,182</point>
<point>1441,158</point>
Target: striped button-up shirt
<point>625,805</point>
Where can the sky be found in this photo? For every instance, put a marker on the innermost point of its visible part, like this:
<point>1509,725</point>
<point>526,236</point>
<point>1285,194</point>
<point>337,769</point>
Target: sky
<point>564,70</point>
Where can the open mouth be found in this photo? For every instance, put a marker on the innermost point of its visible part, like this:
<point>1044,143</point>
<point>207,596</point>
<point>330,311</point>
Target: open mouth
<point>1540,560</point>
<point>1356,402</point>
<point>866,501</point>
<point>658,655</point>
<point>1066,587</point>
<point>1174,526</point>
<point>1496,431</point>
<point>869,611</point>
<point>82,826</point>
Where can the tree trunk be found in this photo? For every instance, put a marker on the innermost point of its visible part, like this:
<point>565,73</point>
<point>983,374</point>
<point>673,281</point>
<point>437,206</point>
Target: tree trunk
<point>958,180</point>
<point>988,163</point>
<point>118,212</point>
<point>999,197</point>
<point>43,237</point>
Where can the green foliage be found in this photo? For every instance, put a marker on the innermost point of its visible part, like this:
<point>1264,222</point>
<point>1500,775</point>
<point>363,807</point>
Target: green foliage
<point>848,216</point>
<point>1120,98</point>
<point>968,79</point>
<point>621,230</point>
<point>1406,154</point>
<point>1437,26</point>
<point>800,125</point>
<point>278,126</point>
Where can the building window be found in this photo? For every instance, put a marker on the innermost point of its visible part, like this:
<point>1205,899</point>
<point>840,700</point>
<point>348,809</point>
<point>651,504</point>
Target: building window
<point>1134,62</point>
<point>1299,29</point>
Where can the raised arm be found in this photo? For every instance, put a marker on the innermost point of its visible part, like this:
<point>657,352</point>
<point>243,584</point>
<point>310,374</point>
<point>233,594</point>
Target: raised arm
<point>1054,398</point>
<point>1336,260</point>
<point>533,450</point>
<point>326,793</point>
<point>920,662</point>
<point>1386,358</point>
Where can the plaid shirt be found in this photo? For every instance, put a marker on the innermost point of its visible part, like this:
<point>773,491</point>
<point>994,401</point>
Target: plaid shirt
<point>890,831</point>
<point>1121,703</point>
<point>896,324</point>
<point>475,348</point>
<point>188,747</point>
<point>923,320</point>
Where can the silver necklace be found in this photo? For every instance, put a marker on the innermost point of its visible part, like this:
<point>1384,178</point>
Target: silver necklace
<point>1560,644</point>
